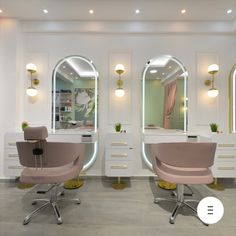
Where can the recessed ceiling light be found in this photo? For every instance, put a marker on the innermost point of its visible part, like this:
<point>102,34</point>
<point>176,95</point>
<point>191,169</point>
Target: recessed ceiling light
<point>91,11</point>
<point>183,11</point>
<point>64,67</point>
<point>153,71</point>
<point>137,11</point>
<point>229,11</point>
<point>163,73</point>
<point>71,73</point>
<point>45,11</point>
<point>0,11</point>
<point>170,67</point>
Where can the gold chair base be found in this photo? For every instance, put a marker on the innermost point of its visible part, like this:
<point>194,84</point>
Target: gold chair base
<point>166,185</point>
<point>216,186</point>
<point>119,185</point>
<point>24,185</point>
<point>73,184</point>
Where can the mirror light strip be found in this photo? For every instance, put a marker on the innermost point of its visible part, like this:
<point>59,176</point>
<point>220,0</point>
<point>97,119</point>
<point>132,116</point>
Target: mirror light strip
<point>234,101</point>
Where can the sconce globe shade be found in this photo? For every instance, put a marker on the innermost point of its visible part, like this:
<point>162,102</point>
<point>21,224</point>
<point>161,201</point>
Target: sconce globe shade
<point>213,68</point>
<point>120,92</point>
<point>31,91</point>
<point>213,92</point>
<point>31,67</point>
<point>119,68</point>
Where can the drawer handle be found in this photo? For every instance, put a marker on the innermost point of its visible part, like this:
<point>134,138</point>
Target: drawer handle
<point>119,144</point>
<point>119,155</point>
<point>226,168</point>
<point>119,167</point>
<point>12,144</point>
<point>15,167</point>
<point>226,156</point>
<point>226,145</point>
<point>13,155</point>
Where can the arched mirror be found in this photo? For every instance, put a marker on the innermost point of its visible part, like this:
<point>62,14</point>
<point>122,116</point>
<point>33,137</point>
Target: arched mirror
<point>164,98</point>
<point>232,100</point>
<point>74,108</point>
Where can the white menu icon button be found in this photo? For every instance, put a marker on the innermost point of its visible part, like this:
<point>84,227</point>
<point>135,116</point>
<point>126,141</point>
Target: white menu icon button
<point>210,210</point>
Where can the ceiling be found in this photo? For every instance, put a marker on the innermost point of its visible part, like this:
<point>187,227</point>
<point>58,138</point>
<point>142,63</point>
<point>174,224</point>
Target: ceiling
<point>111,10</point>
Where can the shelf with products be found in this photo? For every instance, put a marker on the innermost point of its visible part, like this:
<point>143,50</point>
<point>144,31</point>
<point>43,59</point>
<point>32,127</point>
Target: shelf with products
<point>64,109</point>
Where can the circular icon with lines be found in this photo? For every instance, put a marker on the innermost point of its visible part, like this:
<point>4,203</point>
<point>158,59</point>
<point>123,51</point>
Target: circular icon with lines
<point>210,210</point>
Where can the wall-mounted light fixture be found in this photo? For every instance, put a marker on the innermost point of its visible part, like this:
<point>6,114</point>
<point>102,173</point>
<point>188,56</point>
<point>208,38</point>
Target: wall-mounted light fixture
<point>31,90</point>
<point>119,69</point>
<point>213,91</point>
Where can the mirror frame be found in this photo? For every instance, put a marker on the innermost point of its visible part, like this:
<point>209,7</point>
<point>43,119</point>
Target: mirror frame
<point>148,64</point>
<point>232,100</point>
<point>90,62</point>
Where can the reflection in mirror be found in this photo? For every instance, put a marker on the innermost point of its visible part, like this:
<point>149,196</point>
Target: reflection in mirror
<point>232,100</point>
<point>74,94</point>
<point>164,94</point>
<point>164,100</point>
<point>74,108</point>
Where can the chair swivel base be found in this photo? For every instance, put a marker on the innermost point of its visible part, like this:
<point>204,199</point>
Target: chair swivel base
<point>177,207</point>
<point>180,202</point>
<point>54,199</point>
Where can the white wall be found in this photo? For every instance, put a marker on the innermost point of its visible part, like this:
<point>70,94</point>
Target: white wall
<point>9,55</point>
<point>45,48</point>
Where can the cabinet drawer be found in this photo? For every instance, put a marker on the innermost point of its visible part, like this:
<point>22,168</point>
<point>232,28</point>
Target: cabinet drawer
<point>118,168</point>
<point>224,170</point>
<point>225,155</point>
<point>11,139</point>
<point>118,140</point>
<point>11,154</point>
<point>224,145</point>
<point>12,168</point>
<point>119,154</point>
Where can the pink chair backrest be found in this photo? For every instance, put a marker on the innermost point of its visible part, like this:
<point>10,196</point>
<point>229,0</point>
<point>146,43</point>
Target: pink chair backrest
<point>185,154</point>
<point>55,154</point>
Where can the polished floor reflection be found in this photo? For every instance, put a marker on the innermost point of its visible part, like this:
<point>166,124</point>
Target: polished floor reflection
<point>105,211</point>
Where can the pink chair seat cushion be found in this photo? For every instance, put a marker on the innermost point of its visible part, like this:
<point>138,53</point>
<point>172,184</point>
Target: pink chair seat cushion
<point>183,175</point>
<point>49,175</point>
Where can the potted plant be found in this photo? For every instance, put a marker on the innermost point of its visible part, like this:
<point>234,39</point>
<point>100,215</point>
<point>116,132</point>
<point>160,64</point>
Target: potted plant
<point>118,127</point>
<point>214,127</point>
<point>24,125</point>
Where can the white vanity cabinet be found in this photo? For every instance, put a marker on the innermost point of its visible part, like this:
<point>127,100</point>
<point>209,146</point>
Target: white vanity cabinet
<point>12,167</point>
<point>118,155</point>
<point>225,157</point>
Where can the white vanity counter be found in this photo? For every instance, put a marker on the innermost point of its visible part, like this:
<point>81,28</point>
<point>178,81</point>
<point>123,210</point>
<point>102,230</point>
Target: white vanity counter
<point>12,166</point>
<point>225,157</point>
<point>170,135</point>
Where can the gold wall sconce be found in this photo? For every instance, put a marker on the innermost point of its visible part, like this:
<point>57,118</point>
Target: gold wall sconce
<point>119,69</point>
<point>213,91</point>
<point>31,90</point>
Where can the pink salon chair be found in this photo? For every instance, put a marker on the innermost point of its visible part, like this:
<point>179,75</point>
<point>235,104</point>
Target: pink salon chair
<point>48,163</point>
<point>183,163</point>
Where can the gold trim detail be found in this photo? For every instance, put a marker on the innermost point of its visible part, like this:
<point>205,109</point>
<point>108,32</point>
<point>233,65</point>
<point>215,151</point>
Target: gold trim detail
<point>73,183</point>
<point>216,186</point>
<point>119,185</point>
<point>166,185</point>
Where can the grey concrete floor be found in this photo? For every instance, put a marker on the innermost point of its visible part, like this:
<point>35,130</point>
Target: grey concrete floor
<point>108,212</point>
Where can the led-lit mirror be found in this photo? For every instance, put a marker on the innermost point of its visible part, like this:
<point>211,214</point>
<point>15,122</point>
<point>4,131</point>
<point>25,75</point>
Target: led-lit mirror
<point>164,98</point>
<point>232,100</point>
<point>74,108</point>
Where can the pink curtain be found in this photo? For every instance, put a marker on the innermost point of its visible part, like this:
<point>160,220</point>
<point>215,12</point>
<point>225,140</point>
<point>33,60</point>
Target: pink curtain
<point>170,97</point>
